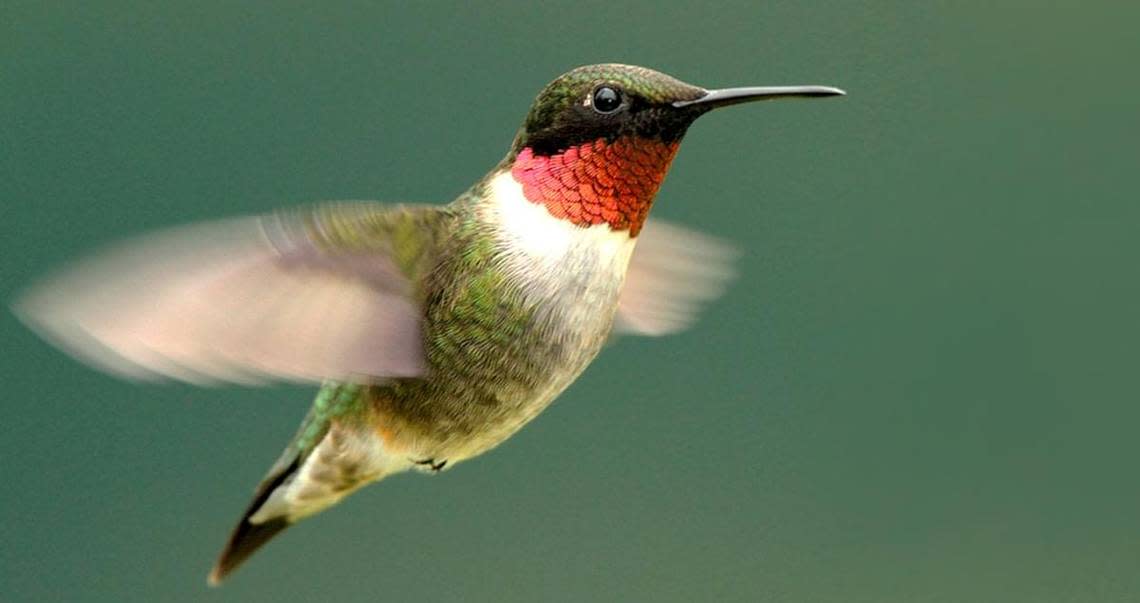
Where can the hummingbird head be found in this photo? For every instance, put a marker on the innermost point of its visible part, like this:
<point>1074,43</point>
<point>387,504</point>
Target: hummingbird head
<point>599,139</point>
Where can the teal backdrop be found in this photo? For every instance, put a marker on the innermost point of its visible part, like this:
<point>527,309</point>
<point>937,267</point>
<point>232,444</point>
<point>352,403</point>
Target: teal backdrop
<point>922,386</point>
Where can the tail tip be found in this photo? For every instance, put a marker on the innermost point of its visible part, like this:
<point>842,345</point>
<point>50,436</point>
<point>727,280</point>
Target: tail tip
<point>246,539</point>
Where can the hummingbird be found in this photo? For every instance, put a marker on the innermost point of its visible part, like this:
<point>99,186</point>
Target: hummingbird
<point>435,331</point>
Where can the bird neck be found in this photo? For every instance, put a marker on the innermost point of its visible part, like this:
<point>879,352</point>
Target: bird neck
<point>598,182</point>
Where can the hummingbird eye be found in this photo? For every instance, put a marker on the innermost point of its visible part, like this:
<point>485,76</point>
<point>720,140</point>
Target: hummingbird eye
<point>606,100</point>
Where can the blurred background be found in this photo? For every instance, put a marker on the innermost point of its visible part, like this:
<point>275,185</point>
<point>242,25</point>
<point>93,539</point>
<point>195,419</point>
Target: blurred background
<point>921,388</point>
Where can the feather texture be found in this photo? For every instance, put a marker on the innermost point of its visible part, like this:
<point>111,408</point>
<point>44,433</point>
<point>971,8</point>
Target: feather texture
<point>290,296</point>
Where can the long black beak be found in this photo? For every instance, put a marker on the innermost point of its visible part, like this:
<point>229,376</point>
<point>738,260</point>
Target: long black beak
<point>733,96</point>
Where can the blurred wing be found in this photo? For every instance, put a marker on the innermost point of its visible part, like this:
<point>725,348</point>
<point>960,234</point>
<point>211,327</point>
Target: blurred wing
<point>298,296</point>
<point>673,272</point>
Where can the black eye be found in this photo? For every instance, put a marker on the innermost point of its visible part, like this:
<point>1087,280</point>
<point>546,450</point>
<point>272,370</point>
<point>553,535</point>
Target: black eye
<point>606,99</point>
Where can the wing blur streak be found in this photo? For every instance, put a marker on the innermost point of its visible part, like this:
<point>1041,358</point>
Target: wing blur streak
<point>673,272</point>
<point>243,300</point>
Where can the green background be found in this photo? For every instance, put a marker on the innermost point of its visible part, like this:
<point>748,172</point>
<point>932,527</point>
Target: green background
<point>922,387</point>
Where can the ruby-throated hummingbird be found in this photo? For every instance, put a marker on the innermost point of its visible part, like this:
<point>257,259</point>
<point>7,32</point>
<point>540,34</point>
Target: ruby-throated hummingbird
<point>436,331</point>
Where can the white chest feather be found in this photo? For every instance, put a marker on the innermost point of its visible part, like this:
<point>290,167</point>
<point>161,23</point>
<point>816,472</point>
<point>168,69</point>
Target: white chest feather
<point>529,228</point>
<point>571,271</point>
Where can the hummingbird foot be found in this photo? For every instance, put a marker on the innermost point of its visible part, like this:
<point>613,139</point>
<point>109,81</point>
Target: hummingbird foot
<point>431,465</point>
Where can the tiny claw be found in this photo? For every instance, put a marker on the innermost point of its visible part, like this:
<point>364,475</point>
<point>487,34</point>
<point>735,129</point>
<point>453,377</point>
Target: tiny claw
<point>435,467</point>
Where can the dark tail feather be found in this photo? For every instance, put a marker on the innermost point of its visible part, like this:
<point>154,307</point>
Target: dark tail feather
<point>247,537</point>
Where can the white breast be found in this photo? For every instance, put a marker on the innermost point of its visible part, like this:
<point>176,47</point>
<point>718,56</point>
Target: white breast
<point>575,270</point>
<point>531,229</point>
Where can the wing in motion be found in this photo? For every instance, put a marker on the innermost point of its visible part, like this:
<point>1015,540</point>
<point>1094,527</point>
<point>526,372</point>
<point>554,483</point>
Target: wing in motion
<point>672,272</point>
<point>327,292</point>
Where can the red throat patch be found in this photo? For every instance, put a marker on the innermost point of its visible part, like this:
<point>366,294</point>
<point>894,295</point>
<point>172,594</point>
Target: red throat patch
<point>597,182</point>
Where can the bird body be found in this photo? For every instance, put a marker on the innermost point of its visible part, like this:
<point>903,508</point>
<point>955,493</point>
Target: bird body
<point>437,331</point>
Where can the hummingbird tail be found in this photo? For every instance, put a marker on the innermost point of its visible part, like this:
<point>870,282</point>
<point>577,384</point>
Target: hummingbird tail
<point>247,536</point>
<point>314,473</point>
